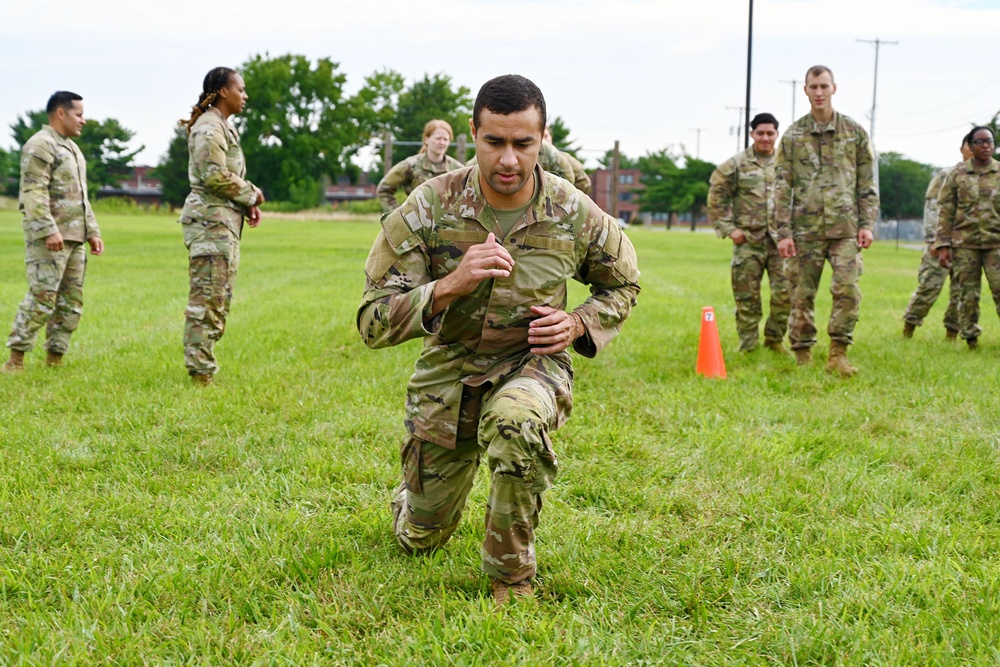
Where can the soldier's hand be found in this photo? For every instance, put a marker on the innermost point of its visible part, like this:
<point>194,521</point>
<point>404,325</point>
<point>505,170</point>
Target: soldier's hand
<point>260,197</point>
<point>54,242</point>
<point>253,216</point>
<point>96,245</point>
<point>786,248</point>
<point>553,331</point>
<point>482,261</point>
<point>738,237</point>
<point>944,257</point>
<point>865,238</point>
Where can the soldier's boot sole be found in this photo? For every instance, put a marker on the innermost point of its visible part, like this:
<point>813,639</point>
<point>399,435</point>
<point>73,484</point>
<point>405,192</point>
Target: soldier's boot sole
<point>908,330</point>
<point>803,356</point>
<point>503,592</point>
<point>15,364</point>
<point>838,362</point>
<point>53,359</point>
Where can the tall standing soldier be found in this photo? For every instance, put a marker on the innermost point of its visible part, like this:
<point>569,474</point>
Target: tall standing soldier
<point>741,207</point>
<point>57,220</point>
<point>968,239</point>
<point>476,263</point>
<point>212,217</point>
<point>826,206</point>
<point>931,275</point>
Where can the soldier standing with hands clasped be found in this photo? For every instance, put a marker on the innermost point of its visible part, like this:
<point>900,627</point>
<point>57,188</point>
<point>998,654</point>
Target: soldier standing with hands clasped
<point>57,220</point>
<point>826,205</point>
<point>213,216</point>
<point>476,263</point>
<point>741,206</point>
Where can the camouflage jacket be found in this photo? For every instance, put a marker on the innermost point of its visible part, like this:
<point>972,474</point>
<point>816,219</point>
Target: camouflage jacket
<point>741,196</point>
<point>482,338</point>
<point>825,181</point>
<point>53,194</point>
<point>408,174</point>
<point>970,207</point>
<point>932,207</point>
<point>580,178</point>
<point>217,170</point>
<point>554,161</point>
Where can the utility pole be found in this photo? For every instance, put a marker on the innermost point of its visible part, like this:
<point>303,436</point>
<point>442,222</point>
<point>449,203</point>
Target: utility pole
<point>698,130</point>
<point>746,135</point>
<point>795,91</point>
<point>871,135</point>
<point>739,125</point>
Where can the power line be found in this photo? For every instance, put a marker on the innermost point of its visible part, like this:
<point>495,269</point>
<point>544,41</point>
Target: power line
<point>878,43</point>
<point>795,90</point>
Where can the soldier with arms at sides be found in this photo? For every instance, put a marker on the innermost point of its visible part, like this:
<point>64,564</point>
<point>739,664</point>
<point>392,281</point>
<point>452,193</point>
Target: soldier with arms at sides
<point>931,275</point>
<point>431,161</point>
<point>825,207</point>
<point>741,206</point>
<point>57,221</point>
<point>968,238</point>
<point>476,263</point>
<point>212,219</point>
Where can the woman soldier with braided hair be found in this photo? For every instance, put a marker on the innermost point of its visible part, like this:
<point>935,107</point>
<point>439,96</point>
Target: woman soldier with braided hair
<point>212,218</point>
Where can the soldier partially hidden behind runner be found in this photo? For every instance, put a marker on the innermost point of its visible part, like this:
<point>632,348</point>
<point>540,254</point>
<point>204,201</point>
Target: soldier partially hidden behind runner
<point>476,263</point>
<point>741,207</point>
<point>968,239</point>
<point>57,221</point>
<point>931,275</point>
<point>431,161</point>
<point>212,218</point>
<point>825,207</point>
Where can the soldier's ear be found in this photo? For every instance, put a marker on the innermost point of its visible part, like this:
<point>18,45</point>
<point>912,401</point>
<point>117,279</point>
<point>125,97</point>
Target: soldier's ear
<point>472,129</point>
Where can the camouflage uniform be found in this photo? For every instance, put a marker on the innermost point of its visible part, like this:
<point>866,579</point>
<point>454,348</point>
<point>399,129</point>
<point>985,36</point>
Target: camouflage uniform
<point>212,219</point>
<point>825,193</point>
<point>931,275</point>
<point>53,198</point>
<point>580,178</point>
<point>741,196</point>
<point>969,224</point>
<point>554,161</point>
<point>408,174</point>
<point>477,389</point>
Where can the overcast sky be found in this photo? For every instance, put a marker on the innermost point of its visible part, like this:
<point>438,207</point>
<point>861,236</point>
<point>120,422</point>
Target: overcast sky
<point>644,72</point>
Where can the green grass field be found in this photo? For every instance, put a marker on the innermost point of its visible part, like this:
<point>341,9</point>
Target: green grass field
<point>780,517</point>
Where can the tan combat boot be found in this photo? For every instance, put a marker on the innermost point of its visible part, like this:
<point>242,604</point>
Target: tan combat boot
<point>838,362</point>
<point>776,347</point>
<point>201,379</point>
<point>503,592</point>
<point>16,362</point>
<point>803,356</point>
<point>53,359</point>
<point>908,330</point>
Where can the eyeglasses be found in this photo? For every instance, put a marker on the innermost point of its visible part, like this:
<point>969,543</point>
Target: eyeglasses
<point>982,142</point>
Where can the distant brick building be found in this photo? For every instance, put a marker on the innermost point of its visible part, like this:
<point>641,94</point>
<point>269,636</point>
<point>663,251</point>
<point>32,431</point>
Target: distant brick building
<point>141,187</point>
<point>629,185</point>
<point>343,190</point>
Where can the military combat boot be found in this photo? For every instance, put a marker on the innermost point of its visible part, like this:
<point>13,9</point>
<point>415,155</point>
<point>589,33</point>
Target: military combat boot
<point>950,335</point>
<point>16,362</point>
<point>201,379</point>
<point>776,347</point>
<point>973,343</point>
<point>803,356</point>
<point>503,592</point>
<point>53,359</point>
<point>908,330</point>
<point>838,362</point>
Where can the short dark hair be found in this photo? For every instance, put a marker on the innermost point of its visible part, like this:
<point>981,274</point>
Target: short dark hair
<point>508,94</point>
<point>763,119</point>
<point>972,133</point>
<point>819,70</point>
<point>61,99</point>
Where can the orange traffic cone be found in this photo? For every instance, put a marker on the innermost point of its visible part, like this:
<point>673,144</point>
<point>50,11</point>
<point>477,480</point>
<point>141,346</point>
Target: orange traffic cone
<point>710,361</point>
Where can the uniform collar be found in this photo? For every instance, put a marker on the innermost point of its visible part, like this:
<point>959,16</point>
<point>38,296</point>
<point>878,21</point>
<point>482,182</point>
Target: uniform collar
<point>816,128</point>
<point>475,203</point>
<point>60,139</point>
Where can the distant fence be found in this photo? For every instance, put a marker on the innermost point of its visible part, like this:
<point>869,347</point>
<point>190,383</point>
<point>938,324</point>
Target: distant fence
<point>904,231</point>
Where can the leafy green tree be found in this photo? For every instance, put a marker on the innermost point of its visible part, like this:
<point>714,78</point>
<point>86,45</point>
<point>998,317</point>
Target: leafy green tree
<point>375,109</point>
<point>9,173</point>
<point>624,161</point>
<point>296,129</point>
<point>104,145</point>
<point>560,137</point>
<point>428,98</point>
<point>670,188</point>
<point>172,171</point>
<point>902,185</point>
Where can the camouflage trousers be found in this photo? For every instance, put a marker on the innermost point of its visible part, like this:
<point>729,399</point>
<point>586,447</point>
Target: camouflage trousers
<point>805,271</point>
<point>513,421</point>
<point>968,266</point>
<point>930,280</point>
<point>54,299</point>
<point>214,259</point>
<point>750,261</point>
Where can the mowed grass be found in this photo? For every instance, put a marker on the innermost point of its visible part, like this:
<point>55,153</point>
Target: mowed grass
<point>780,517</point>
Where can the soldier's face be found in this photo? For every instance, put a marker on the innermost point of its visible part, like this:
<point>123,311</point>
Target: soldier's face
<point>819,89</point>
<point>234,95</point>
<point>437,144</point>
<point>763,138</point>
<point>507,149</point>
<point>71,119</point>
<point>982,146</point>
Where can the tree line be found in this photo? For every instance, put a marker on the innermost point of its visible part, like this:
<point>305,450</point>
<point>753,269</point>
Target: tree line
<point>299,131</point>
